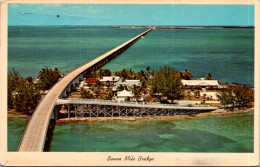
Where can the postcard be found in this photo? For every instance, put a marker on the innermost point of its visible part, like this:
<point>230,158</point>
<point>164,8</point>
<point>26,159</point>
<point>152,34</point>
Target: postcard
<point>129,83</point>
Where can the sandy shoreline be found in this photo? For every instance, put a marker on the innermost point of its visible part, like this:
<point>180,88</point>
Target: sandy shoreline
<point>13,114</point>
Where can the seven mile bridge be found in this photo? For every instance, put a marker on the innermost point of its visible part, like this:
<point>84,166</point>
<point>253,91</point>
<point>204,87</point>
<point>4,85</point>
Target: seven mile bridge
<point>34,136</point>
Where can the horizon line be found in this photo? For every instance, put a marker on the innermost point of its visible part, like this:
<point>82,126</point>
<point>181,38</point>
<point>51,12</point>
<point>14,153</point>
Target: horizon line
<point>149,25</point>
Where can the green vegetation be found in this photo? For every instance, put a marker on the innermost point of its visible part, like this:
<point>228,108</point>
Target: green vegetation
<point>86,94</point>
<point>168,82</point>
<point>24,94</point>
<point>186,74</point>
<point>101,72</point>
<point>48,77</point>
<point>209,77</point>
<point>126,74</point>
<point>236,96</point>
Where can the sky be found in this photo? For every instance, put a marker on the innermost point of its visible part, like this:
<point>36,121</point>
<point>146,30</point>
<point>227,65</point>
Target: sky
<point>130,14</point>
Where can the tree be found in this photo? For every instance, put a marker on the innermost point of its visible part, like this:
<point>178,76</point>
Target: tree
<point>168,82</point>
<point>29,79</point>
<point>209,77</point>
<point>137,92</point>
<point>148,72</point>
<point>236,96</point>
<point>26,97</point>
<point>226,97</point>
<point>141,75</point>
<point>85,94</point>
<point>102,72</point>
<point>186,75</point>
<point>125,74</point>
<point>23,94</point>
<point>244,95</point>
<point>14,80</point>
<point>48,77</point>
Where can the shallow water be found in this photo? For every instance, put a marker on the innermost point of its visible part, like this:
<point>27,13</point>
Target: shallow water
<point>229,133</point>
<point>15,130</point>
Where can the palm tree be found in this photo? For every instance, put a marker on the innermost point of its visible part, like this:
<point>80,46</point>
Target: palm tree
<point>186,75</point>
<point>98,74</point>
<point>136,93</point>
<point>209,77</point>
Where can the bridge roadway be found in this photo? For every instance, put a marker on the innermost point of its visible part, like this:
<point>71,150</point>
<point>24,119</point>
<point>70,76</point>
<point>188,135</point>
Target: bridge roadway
<point>33,139</point>
<point>131,104</point>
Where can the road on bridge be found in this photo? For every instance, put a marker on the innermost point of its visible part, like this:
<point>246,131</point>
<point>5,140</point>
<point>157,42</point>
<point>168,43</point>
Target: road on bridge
<point>33,139</point>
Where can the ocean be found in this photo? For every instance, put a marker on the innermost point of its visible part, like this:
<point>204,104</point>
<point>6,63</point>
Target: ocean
<point>228,54</point>
<point>228,133</point>
<point>32,48</point>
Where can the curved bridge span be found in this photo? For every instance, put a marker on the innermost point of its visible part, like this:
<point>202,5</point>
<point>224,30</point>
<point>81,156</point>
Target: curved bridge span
<point>33,139</point>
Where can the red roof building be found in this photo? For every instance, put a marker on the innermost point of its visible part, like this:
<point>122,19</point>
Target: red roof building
<point>91,80</point>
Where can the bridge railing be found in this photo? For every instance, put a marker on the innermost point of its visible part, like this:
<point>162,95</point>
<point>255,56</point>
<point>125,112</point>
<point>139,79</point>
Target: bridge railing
<point>109,102</point>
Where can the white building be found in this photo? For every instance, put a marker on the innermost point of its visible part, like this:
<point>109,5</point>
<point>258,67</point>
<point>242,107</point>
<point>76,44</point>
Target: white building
<point>127,82</point>
<point>130,82</point>
<point>203,83</point>
<point>110,79</point>
<point>83,85</point>
<point>123,95</point>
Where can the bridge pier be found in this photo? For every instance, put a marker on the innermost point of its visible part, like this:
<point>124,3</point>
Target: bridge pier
<point>68,89</point>
<point>81,77</point>
<point>55,113</point>
<point>68,111</point>
<point>76,80</point>
<point>75,116</point>
<point>64,93</point>
<point>52,116</point>
<point>50,129</point>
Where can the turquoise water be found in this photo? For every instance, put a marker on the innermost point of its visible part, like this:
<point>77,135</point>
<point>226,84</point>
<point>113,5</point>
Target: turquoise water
<point>228,54</point>
<point>15,130</point>
<point>230,133</point>
<point>65,47</point>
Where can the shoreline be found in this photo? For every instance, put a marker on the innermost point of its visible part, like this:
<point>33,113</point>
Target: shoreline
<point>222,112</point>
<point>13,114</point>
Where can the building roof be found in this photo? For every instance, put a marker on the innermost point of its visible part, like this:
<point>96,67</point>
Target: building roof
<point>92,80</point>
<point>109,78</point>
<point>130,82</point>
<point>124,93</point>
<point>200,82</point>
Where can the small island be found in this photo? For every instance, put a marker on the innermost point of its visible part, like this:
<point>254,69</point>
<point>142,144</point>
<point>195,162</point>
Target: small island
<point>163,87</point>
